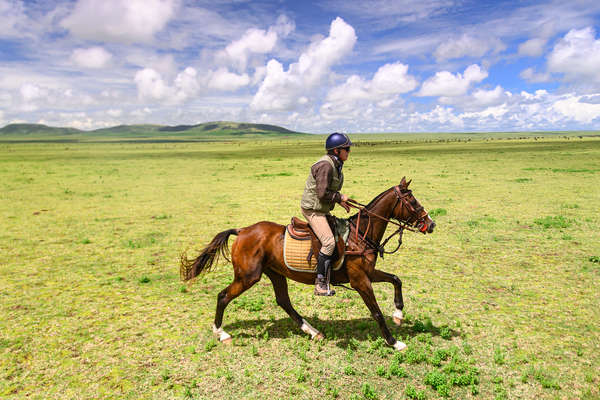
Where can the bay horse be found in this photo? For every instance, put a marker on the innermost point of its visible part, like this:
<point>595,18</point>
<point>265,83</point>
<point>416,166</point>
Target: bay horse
<point>258,249</point>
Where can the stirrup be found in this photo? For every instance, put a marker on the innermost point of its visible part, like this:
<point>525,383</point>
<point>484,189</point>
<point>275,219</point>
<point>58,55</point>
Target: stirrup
<point>330,291</point>
<point>322,288</point>
<point>328,279</point>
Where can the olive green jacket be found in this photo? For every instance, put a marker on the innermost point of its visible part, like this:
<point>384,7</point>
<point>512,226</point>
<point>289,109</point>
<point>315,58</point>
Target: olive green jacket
<point>310,199</point>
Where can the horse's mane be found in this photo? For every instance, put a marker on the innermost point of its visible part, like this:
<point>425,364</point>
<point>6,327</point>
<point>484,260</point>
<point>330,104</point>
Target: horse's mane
<point>371,203</point>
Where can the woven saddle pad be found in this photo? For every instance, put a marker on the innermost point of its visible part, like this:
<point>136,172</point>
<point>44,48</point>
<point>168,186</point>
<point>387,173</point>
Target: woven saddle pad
<point>295,255</point>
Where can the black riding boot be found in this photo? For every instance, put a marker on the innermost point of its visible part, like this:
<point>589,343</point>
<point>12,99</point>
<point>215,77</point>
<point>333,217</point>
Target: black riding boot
<point>323,271</point>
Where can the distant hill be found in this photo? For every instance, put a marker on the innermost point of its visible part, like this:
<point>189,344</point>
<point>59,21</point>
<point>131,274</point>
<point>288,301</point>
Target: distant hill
<point>228,128</point>
<point>208,129</point>
<point>36,129</point>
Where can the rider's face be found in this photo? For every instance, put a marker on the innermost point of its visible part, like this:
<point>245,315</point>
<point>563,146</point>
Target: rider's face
<point>343,153</point>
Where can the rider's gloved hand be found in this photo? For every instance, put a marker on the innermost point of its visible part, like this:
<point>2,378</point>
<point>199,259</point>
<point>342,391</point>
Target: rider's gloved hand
<point>344,202</point>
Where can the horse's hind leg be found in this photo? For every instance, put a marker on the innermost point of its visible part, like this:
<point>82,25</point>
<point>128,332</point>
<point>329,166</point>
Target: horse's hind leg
<point>282,296</point>
<point>380,276</point>
<point>241,283</point>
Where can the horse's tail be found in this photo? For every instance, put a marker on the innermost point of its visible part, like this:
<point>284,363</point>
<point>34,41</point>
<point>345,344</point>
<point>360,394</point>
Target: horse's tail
<point>191,268</point>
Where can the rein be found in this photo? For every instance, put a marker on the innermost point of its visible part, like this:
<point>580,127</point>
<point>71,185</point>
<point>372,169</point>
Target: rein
<point>402,225</point>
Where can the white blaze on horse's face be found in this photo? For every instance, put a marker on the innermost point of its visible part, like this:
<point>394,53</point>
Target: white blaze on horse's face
<point>430,224</point>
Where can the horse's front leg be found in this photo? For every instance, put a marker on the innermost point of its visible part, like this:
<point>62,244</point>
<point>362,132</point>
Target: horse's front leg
<point>380,276</point>
<point>363,285</point>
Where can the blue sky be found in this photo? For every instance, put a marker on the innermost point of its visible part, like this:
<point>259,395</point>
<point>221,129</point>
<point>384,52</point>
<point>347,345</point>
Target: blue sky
<point>321,66</point>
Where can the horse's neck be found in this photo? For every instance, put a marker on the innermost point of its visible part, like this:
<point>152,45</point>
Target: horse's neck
<point>378,226</point>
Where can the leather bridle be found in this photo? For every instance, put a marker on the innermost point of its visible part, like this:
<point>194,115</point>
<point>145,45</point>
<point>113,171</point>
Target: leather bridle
<point>418,224</point>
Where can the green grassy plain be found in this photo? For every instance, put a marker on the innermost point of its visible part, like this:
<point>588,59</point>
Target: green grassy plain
<point>501,301</point>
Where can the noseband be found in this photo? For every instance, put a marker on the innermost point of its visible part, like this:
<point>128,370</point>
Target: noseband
<point>419,212</point>
<point>416,225</point>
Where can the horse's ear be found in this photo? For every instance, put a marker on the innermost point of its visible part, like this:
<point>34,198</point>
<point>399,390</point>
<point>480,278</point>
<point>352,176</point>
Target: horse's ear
<point>404,184</point>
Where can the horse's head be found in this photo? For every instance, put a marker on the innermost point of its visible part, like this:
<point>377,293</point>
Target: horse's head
<point>411,212</point>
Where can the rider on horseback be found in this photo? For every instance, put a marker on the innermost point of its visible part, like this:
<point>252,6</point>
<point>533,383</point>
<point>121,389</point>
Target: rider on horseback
<point>321,192</point>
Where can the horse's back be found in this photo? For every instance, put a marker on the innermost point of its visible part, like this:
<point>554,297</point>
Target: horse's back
<point>264,236</point>
<point>263,229</point>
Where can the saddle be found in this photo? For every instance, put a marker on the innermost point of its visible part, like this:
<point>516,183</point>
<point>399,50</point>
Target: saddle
<point>300,230</point>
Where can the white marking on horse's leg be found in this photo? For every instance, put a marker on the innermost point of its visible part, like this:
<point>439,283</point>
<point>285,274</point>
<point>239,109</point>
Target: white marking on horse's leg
<point>397,316</point>
<point>307,328</point>
<point>399,346</point>
<point>223,336</point>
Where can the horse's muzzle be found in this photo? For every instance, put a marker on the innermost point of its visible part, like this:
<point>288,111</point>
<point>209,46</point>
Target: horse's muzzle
<point>427,226</point>
<point>430,227</point>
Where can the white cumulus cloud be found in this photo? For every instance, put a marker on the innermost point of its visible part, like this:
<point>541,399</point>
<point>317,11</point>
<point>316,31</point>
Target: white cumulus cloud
<point>119,21</point>
<point>31,92</point>
<point>389,81</point>
<point>495,112</point>
<point>222,79</point>
<point>445,83</point>
<point>530,75</point>
<point>466,46</point>
<point>285,90</point>
<point>538,95</point>
<point>574,108</point>
<point>114,112</point>
<point>393,79</point>
<point>93,57</point>
<point>577,56</point>
<point>152,86</point>
<point>532,47</point>
<point>255,41</point>
<point>439,115</point>
<point>186,84</point>
<point>480,100</point>
<point>489,97</point>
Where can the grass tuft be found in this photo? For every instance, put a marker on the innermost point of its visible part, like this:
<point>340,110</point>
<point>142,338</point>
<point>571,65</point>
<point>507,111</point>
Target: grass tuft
<point>368,392</point>
<point>438,381</point>
<point>438,212</point>
<point>544,379</point>
<point>349,370</point>
<point>499,356</point>
<point>557,221</point>
<point>446,332</point>
<point>250,304</point>
<point>414,394</point>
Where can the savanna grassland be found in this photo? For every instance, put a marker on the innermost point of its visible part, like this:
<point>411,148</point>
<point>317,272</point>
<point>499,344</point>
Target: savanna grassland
<point>501,302</point>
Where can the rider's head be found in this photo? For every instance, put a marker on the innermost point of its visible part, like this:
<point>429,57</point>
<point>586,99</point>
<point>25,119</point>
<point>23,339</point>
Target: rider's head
<point>338,144</point>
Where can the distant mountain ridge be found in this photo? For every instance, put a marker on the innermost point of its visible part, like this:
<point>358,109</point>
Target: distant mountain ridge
<point>28,129</point>
<point>215,128</point>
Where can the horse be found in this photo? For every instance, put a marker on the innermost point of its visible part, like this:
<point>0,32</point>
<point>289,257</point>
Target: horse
<point>258,249</point>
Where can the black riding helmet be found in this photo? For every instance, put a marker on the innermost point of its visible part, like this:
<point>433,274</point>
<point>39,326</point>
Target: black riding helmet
<point>337,140</point>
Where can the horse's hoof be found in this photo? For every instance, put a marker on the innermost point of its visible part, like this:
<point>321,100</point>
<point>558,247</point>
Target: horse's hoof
<point>400,346</point>
<point>314,334</point>
<point>223,336</point>
<point>227,341</point>
<point>398,317</point>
